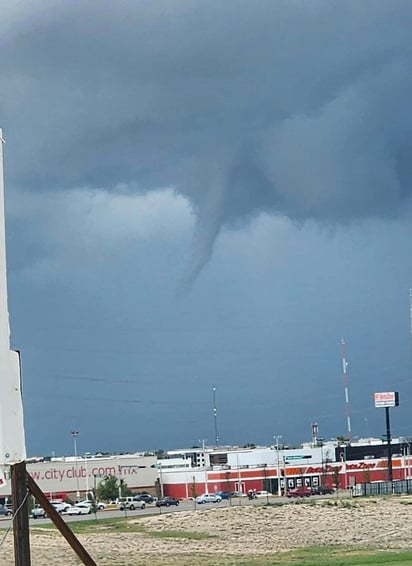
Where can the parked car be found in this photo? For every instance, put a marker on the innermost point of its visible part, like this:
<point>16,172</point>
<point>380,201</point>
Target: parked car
<point>167,502</point>
<point>224,494</point>
<point>146,497</point>
<point>59,505</point>
<point>208,498</point>
<point>99,504</point>
<point>38,512</point>
<point>132,503</point>
<point>236,494</point>
<point>322,490</point>
<point>263,494</point>
<point>299,492</point>
<point>5,511</point>
<point>79,509</point>
<point>85,502</point>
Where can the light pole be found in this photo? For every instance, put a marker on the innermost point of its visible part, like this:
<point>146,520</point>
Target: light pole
<point>161,481</point>
<point>119,487</point>
<point>204,464</point>
<point>277,437</point>
<point>215,416</point>
<point>403,453</point>
<point>75,434</point>
<point>239,479</point>
<point>344,463</point>
<point>186,488</point>
<point>265,468</point>
<point>406,453</point>
<point>321,441</point>
<point>86,456</point>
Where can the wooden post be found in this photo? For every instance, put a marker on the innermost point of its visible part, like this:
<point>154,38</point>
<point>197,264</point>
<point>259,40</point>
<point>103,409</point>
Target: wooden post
<point>59,523</point>
<point>20,514</point>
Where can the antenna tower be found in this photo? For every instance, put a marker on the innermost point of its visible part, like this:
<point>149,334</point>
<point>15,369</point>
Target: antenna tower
<point>345,384</point>
<point>215,416</point>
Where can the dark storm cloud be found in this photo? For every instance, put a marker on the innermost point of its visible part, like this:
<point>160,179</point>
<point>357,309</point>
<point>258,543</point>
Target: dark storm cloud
<point>297,108</point>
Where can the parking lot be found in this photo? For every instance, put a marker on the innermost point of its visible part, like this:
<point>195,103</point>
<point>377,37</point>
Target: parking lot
<point>151,509</point>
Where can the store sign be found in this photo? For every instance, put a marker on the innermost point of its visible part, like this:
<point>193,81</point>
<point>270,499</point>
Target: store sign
<point>387,399</point>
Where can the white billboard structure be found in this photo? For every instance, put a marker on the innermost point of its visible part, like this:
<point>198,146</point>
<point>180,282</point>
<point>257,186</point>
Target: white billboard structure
<point>12,441</point>
<point>386,399</point>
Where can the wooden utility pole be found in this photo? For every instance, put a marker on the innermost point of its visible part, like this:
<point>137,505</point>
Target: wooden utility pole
<point>59,523</point>
<point>20,514</point>
<point>22,484</point>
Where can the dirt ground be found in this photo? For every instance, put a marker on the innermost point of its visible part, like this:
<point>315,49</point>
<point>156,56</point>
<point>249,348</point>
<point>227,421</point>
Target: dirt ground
<point>236,531</point>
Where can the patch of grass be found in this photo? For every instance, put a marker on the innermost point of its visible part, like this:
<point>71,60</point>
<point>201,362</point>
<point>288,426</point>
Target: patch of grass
<point>180,534</point>
<point>112,525</point>
<point>341,556</point>
<point>124,525</point>
<point>351,557</point>
<point>324,556</point>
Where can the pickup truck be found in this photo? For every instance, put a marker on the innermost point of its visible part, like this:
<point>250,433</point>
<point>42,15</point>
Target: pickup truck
<point>38,511</point>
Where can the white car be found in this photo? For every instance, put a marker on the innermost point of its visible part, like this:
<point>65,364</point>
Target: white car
<point>84,502</point>
<point>99,504</point>
<point>60,506</point>
<point>263,494</point>
<point>79,509</point>
<point>208,498</point>
<point>38,512</point>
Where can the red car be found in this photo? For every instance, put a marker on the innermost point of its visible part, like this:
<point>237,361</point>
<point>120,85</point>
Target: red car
<point>299,492</point>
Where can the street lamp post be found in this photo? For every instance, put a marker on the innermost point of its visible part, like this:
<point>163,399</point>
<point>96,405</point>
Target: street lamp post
<point>265,468</point>
<point>407,453</point>
<point>344,463</point>
<point>75,434</point>
<point>277,437</point>
<point>86,456</point>
<point>239,479</point>
<point>186,487</point>
<point>119,487</point>
<point>321,441</point>
<point>204,465</point>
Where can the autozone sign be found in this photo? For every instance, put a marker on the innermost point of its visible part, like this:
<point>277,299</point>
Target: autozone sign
<point>387,399</point>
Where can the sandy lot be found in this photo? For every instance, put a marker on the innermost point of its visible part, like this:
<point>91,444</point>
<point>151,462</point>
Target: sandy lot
<point>236,531</point>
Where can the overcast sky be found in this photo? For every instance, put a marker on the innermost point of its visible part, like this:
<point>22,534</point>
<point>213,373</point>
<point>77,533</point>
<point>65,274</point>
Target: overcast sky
<point>207,194</point>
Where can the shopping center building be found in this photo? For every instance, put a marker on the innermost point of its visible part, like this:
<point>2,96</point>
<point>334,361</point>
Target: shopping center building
<point>188,472</point>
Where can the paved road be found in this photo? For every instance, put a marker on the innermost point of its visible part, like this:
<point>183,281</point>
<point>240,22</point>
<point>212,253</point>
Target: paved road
<point>153,510</point>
